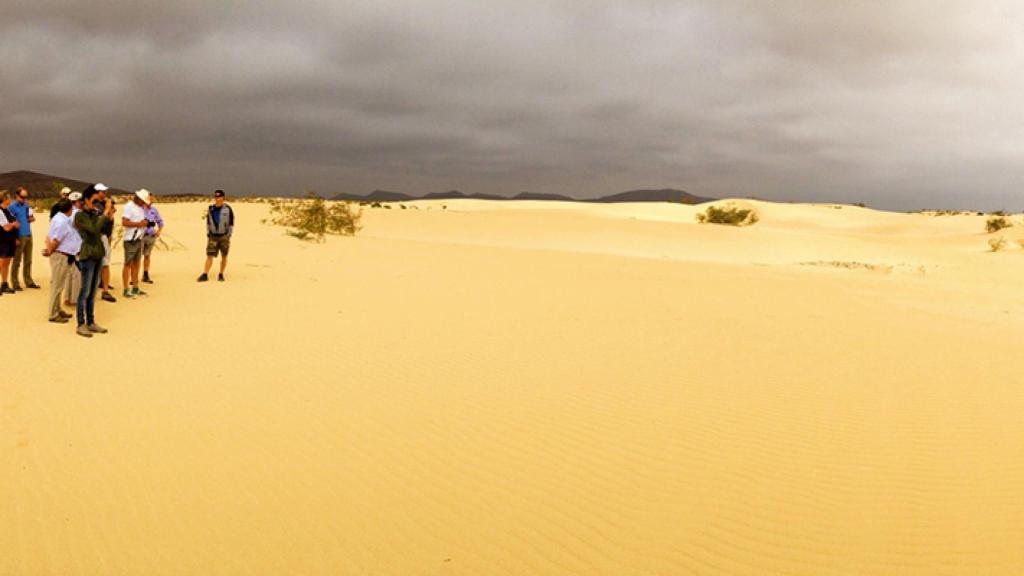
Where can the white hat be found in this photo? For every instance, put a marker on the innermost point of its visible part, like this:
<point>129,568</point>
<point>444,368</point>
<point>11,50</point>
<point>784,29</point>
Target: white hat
<point>75,196</point>
<point>100,187</point>
<point>143,195</point>
<point>65,191</point>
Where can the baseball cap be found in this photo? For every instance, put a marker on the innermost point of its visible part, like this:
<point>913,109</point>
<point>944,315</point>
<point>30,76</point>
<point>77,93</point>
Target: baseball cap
<point>75,196</point>
<point>100,187</point>
<point>65,191</point>
<point>218,194</point>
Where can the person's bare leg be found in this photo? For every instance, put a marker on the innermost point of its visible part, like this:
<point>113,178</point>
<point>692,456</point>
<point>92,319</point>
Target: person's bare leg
<point>5,269</point>
<point>209,264</point>
<point>105,279</point>
<point>145,264</point>
<point>135,274</point>
<point>125,275</point>
<point>223,263</point>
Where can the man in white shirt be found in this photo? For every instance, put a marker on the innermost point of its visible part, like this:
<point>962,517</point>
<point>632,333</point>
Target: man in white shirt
<point>62,245</point>
<point>134,221</point>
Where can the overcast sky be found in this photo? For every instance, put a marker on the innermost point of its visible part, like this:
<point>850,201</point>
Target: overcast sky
<point>899,104</point>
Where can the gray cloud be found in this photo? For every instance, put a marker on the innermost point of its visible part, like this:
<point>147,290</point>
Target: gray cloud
<point>900,104</point>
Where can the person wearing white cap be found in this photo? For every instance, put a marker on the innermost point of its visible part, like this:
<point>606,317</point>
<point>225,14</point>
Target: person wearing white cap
<point>134,221</point>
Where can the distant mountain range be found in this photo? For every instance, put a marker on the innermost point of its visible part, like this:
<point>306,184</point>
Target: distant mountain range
<point>44,185</point>
<point>663,195</point>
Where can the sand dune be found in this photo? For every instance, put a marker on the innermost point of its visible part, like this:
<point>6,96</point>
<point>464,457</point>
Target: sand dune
<point>475,387</point>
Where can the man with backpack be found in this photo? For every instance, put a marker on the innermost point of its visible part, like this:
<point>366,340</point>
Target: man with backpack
<point>220,223</point>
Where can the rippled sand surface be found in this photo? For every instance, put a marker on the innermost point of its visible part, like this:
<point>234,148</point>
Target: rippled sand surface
<point>531,388</point>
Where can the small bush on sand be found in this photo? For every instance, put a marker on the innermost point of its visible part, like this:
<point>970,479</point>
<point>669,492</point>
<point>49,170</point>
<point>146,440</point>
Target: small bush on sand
<point>312,218</point>
<point>997,244</point>
<point>997,223</point>
<point>731,215</point>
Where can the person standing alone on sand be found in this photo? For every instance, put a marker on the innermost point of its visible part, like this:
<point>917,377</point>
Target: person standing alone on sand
<point>23,252</point>
<point>62,246</point>
<point>8,240</point>
<point>134,222</point>
<point>89,222</point>
<point>154,227</point>
<point>220,223</point>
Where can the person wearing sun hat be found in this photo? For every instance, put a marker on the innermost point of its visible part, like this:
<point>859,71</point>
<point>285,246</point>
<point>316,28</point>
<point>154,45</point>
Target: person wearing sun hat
<point>65,192</point>
<point>133,219</point>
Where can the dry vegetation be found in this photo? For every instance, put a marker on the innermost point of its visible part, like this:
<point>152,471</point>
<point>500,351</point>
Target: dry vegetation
<point>312,218</point>
<point>997,223</point>
<point>730,215</point>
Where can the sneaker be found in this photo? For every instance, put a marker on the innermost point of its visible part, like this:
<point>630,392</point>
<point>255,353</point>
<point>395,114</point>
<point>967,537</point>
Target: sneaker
<point>83,331</point>
<point>64,314</point>
<point>6,289</point>
<point>59,320</point>
<point>203,277</point>
<point>127,294</point>
<point>33,286</point>
<point>220,277</point>
<point>96,329</point>
<point>16,287</point>
<point>137,292</point>
<point>146,279</point>
<point>108,297</point>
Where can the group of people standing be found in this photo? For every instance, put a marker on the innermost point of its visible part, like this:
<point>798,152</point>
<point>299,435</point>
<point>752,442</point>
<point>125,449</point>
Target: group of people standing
<point>79,245</point>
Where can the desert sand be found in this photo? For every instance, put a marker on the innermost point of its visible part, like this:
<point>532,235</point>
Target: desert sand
<point>523,388</point>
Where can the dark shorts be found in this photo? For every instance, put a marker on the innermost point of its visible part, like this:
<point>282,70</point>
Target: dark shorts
<point>147,245</point>
<point>132,250</point>
<point>7,248</point>
<point>215,244</point>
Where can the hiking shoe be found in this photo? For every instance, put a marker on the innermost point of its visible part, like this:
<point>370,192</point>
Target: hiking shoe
<point>108,297</point>
<point>203,277</point>
<point>33,286</point>
<point>127,294</point>
<point>83,331</point>
<point>6,289</point>
<point>146,279</point>
<point>220,277</point>
<point>137,292</point>
<point>96,329</point>
<point>64,314</point>
<point>59,320</point>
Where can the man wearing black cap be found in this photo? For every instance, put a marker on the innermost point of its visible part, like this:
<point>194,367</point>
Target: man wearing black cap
<point>220,223</point>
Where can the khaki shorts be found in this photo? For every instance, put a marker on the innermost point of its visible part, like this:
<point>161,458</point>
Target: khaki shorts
<point>147,245</point>
<point>132,251</point>
<point>215,244</point>
<point>106,249</point>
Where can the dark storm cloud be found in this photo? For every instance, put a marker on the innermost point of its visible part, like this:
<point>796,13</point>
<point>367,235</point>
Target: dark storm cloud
<point>902,104</point>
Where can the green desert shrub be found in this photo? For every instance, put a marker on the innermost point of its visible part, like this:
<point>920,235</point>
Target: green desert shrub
<point>997,223</point>
<point>997,244</point>
<point>312,217</point>
<point>731,215</point>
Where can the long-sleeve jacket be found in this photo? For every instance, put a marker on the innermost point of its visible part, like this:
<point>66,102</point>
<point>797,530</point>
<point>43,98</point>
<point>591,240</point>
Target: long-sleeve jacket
<point>90,227</point>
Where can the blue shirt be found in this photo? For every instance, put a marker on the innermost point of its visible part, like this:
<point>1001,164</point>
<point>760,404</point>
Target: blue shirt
<point>62,230</point>
<point>20,211</point>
